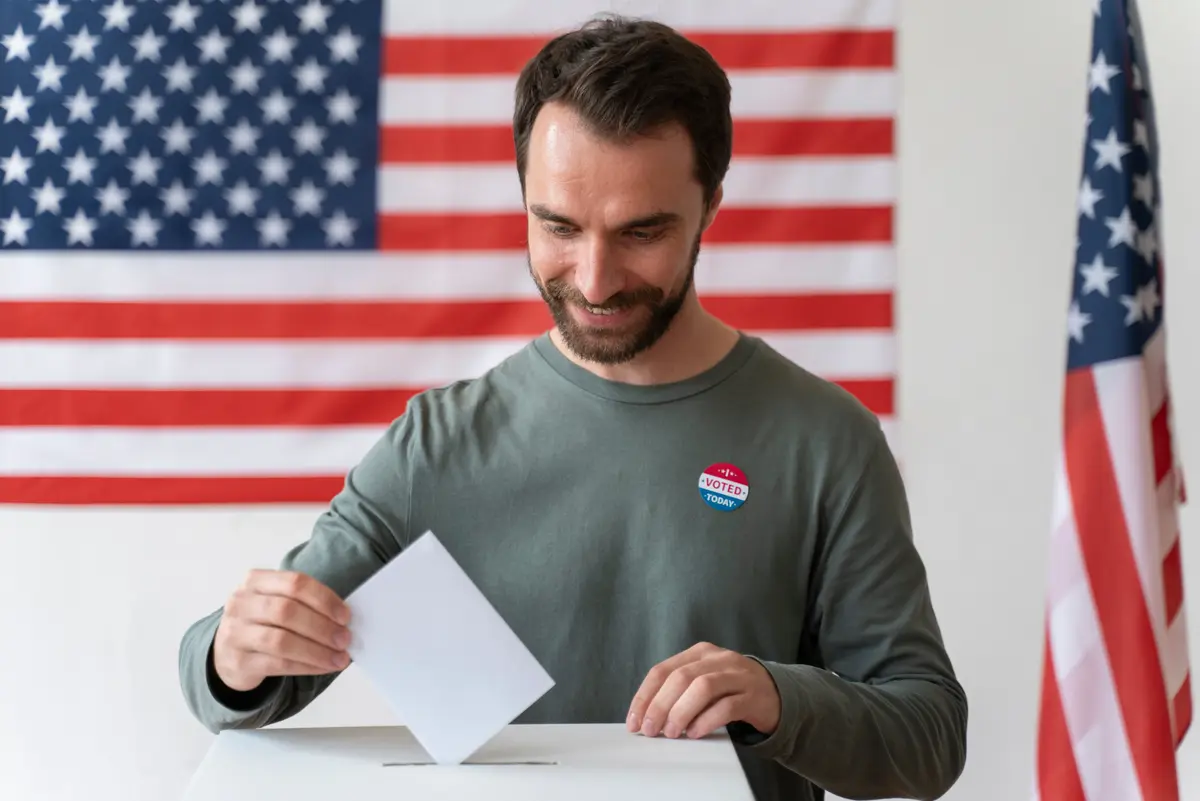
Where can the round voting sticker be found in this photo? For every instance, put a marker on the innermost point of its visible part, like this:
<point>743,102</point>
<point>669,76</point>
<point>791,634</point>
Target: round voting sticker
<point>724,487</point>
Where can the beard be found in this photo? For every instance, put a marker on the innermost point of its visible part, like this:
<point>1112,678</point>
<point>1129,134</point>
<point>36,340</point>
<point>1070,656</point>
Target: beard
<point>606,345</point>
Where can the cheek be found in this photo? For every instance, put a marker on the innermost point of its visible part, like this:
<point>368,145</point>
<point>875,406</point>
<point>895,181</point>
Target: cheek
<point>550,256</point>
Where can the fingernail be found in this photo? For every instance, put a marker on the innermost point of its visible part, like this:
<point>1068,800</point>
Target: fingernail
<point>672,730</point>
<point>631,722</point>
<point>648,727</point>
<point>342,639</point>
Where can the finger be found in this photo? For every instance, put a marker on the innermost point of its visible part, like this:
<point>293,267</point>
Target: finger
<point>655,677</point>
<point>267,665</point>
<point>287,613</point>
<point>721,712</point>
<point>303,588</point>
<point>702,693</point>
<point>283,644</point>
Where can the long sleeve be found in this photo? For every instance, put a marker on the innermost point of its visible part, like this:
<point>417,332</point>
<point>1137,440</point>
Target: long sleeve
<point>363,528</point>
<point>877,712</point>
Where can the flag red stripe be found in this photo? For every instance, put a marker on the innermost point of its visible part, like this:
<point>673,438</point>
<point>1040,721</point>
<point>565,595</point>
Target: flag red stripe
<point>1173,580</point>
<point>1120,605</point>
<point>506,55</point>
<point>1057,772</point>
<point>1183,709</point>
<point>120,490</point>
<point>1160,436</point>
<point>491,144</point>
<point>258,407</point>
<point>384,320</point>
<point>466,232</point>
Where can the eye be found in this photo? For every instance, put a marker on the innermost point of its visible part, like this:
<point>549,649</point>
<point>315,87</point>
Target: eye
<point>642,235</point>
<point>558,230</point>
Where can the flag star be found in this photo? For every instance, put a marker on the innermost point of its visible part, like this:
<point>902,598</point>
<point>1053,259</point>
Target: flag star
<point>144,168</point>
<point>80,168</point>
<point>274,168</point>
<point>1096,276</point>
<point>148,46</point>
<point>209,168</point>
<point>1143,189</point>
<point>183,16</point>
<point>145,106</point>
<point>16,229</point>
<point>1133,308</point>
<point>211,107</point>
<point>1148,297</point>
<point>83,45</point>
<point>49,137</point>
<point>241,199</point>
<point>52,14</point>
<point>1101,74</point>
<point>311,76</point>
<point>1076,321</point>
<point>49,198</point>
<point>344,46</point>
<point>81,106</point>
<point>1088,197</point>
<point>1110,150</point>
<point>340,168</point>
<point>308,198</point>
<point>1096,7</point>
<point>50,75</point>
<point>1141,134</point>
<point>112,137</point>
<point>177,199</point>
<point>274,229</point>
<point>16,106</point>
<point>16,167</point>
<point>178,137</point>
<point>208,229</point>
<point>342,107</point>
<point>1147,243</point>
<point>179,76</point>
<point>308,137</point>
<point>112,198</point>
<point>279,46</point>
<point>79,228</point>
<point>243,138</point>
<point>339,229</point>
<point>117,15</point>
<point>1138,85</point>
<point>1123,229</point>
<point>276,107</point>
<point>245,77</point>
<point>313,17</point>
<point>213,47</point>
<point>249,16</point>
<point>115,76</point>
<point>17,44</point>
<point>144,229</point>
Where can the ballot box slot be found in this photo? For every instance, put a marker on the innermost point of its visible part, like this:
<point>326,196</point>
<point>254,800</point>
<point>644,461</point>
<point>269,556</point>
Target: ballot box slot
<point>468,764</point>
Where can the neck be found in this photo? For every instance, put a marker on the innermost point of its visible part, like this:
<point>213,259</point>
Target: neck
<point>694,343</point>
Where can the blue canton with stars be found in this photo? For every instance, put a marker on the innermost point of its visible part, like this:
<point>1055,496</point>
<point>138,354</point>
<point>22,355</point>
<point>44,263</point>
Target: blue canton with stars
<point>188,124</point>
<point>1116,304</point>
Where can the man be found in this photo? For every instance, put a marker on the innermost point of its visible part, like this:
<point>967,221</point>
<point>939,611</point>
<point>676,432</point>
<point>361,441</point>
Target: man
<point>784,599</point>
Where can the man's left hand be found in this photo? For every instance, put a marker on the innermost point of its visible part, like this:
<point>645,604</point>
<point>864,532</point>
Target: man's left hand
<point>702,689</point>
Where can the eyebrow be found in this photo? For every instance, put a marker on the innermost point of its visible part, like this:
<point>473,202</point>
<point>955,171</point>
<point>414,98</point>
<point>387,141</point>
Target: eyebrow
<point>648,221</point>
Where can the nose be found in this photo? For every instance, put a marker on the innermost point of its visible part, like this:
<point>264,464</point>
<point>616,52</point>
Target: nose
<point>596,274</point>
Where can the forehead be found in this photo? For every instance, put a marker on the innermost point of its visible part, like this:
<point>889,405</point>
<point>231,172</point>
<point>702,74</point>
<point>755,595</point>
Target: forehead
<point>568,163</point>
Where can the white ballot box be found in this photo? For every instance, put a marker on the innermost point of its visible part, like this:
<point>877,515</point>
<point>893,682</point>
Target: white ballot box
<point>544,762</point>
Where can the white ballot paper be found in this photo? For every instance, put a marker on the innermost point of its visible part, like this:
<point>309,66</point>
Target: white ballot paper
<point>440,653</point>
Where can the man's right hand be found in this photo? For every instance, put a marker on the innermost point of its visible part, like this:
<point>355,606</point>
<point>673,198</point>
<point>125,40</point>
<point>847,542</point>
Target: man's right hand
<point>280,623</point>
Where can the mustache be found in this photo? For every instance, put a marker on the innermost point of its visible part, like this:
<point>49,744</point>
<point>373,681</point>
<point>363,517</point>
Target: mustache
<point>564,293</point>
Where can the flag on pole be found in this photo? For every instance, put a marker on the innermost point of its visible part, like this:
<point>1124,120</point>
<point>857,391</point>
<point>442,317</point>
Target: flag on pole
<point>238,235</point>
<point>1116,698</point>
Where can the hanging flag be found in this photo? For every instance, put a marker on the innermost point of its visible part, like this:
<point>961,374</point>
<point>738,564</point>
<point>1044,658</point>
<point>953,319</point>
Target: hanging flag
<point>1116,698</point>
<point>238,236</point>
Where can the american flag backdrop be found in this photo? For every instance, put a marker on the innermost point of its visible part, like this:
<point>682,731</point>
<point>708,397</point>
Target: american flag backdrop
<point>237,236</point>
<point>1116,695</point>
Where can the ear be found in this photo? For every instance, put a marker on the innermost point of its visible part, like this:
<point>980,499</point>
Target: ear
<point>713,206</point>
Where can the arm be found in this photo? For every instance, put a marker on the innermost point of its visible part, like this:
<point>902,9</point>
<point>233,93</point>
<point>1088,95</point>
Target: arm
<point>363,528</point>
<point>881,713</point>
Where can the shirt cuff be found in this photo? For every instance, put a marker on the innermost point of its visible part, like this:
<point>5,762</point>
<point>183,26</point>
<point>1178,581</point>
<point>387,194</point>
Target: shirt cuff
<point>779,742</point>
<point>236,700</point>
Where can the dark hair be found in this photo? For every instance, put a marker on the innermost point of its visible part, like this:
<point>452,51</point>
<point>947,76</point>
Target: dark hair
<point>625,77</point>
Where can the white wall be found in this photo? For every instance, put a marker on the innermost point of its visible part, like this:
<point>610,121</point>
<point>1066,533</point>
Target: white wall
<point>92,604</point>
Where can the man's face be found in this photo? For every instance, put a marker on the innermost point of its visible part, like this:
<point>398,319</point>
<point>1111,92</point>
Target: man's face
<point>614,233</point>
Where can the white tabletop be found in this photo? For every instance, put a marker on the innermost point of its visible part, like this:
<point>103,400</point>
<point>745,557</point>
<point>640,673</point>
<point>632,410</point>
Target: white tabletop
<point>576,762</point>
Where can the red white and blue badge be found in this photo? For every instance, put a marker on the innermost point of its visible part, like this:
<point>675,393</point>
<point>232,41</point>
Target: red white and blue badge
<point>724,487</point>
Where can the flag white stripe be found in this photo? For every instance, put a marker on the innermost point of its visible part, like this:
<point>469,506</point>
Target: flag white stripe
<point>45,364</point>
<point>1175,653</point>
<point>1121,393</point>
<point>1082,668</point>
<point>774,94</point>
<point>753,182</point>
<point>188,452</point>
<point>403,17</point>
<point>737,269</point>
